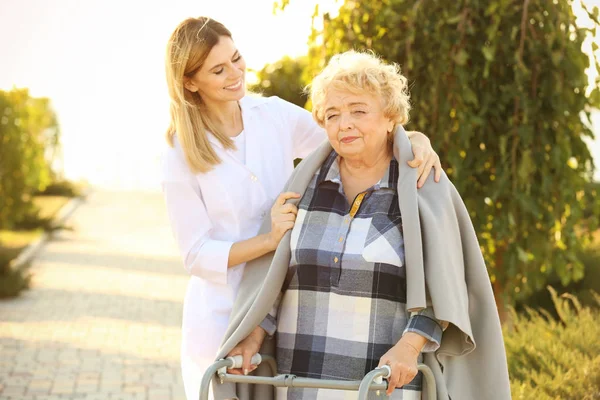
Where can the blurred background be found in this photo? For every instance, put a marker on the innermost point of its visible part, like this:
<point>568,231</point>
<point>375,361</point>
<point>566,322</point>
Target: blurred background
<point>102,66</point>
<point>507,90</point>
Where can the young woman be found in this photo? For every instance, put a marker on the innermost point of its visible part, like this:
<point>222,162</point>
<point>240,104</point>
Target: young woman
<point>229,157</point>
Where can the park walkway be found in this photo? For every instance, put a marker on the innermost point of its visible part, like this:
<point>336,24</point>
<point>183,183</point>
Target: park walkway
<point>102,319</point>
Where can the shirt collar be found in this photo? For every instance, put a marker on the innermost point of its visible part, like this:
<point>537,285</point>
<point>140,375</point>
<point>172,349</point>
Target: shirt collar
<point>247,103</point>
<point>330,172</point>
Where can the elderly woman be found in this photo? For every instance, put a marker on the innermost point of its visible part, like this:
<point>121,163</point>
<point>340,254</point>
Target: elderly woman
<point>375,272</point>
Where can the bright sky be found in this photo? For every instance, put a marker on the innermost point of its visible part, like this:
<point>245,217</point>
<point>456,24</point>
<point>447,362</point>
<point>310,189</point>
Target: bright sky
<point>102,64</point>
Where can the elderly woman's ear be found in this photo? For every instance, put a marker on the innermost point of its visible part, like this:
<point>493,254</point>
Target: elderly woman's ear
<point>391,127</point>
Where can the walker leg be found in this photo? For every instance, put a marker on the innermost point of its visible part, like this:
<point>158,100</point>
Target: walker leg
<point>429,381</point>
<point>365,384</point>
<point>208,376</point>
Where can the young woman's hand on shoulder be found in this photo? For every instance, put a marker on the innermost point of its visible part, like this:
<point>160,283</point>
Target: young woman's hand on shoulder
<point>283,216</point>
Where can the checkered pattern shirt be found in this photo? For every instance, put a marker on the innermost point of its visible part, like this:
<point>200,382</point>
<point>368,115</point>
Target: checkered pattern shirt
<point>343,304</point>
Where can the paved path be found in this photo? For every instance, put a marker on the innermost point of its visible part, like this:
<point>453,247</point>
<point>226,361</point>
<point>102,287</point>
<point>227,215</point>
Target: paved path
<point>102,320</point>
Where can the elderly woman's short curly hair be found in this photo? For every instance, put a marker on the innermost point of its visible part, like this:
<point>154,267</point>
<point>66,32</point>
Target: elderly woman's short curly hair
<point>360,72</point>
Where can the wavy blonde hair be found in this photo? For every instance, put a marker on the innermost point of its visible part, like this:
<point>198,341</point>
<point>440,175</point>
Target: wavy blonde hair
<point>187,49</point>
<point>360,72</point>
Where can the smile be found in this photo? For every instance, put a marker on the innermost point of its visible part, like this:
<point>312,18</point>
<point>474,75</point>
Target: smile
<point>235,86</point>
<point>349,139</point>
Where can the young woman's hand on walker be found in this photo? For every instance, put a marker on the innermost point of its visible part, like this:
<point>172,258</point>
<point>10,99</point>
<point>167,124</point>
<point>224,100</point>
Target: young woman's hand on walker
<point>248,348</point>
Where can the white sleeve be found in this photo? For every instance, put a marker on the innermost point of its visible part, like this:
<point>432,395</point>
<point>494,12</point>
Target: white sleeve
<point>202,255</point>
<point>307,135</point>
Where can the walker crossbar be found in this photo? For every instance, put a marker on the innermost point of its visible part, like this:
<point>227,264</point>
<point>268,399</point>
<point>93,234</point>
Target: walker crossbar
<point>371,381</point>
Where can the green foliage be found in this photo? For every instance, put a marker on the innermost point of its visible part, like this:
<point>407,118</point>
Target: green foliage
<point>60,188</point>
<point>284,79</point>
<point>28,127</point>
<point>32,220</point>
<point>279,5</point>
<point>12,280</point>
<point>500,88</point>
<point>592,210</point>
<point>555,359</point>
<point>584,289</point>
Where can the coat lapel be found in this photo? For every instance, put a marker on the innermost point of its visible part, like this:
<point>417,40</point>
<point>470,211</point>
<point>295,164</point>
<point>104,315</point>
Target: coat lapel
<point>409,209</point>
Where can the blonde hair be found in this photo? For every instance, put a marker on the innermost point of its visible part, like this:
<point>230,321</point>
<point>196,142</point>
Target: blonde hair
<point>360,72</point>
<point>187,49</point>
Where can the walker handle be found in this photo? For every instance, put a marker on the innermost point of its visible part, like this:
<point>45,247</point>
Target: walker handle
<point>238,360</point>
<point>379,379</point>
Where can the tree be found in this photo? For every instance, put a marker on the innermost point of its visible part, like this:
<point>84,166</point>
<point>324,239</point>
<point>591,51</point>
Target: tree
<point>283,78</point>
<point>28,126</point>
<point>500,87</point>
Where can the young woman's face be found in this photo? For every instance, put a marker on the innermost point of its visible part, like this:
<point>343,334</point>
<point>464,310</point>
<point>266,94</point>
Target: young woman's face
<point>222,77</point>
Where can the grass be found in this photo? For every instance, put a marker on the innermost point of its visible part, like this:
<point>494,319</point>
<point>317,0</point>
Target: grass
<point>12,279</point>
<point>49,205</point>
<point>13,241</point>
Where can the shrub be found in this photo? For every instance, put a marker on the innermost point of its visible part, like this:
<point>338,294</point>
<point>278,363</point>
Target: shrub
<point>28,129</point>
<point>552,358</point>
<point>12,280</point>
<point>32,221</point>
<point>60,188</point>
<point>584,289</point>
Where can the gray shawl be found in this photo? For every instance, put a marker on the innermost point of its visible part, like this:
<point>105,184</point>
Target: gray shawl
<point>444,267</point>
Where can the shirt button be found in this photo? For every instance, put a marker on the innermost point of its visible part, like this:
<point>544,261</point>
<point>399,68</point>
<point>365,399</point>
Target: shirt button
<point>341,239</point>
<point>254,178</point>
<point>335,259</point>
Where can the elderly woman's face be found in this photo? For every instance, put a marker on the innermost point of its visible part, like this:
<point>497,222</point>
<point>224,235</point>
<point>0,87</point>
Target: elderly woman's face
<point>355,124</point>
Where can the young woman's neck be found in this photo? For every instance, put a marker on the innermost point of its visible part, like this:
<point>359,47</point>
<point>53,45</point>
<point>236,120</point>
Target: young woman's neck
<point>227,116</point>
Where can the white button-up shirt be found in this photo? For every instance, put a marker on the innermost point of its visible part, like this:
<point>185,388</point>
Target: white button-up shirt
<point>210,211</point>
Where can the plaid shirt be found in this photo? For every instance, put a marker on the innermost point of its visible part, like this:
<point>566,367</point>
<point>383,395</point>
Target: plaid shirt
<point>343,304</point>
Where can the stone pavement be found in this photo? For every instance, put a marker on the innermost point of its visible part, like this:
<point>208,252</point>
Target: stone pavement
<point>102,319</point>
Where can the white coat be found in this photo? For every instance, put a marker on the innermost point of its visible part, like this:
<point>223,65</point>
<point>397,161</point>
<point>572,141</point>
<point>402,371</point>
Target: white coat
<point>210,211</point>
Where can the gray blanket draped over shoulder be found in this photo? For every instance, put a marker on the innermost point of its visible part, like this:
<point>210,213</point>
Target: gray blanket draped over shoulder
<point>443,260</point>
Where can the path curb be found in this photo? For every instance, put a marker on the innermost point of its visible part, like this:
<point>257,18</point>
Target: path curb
<point>65,212</point>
